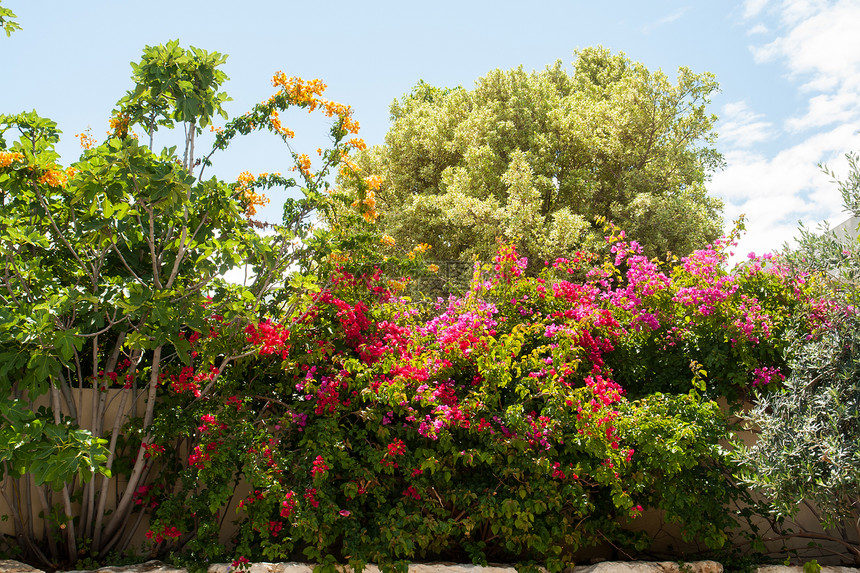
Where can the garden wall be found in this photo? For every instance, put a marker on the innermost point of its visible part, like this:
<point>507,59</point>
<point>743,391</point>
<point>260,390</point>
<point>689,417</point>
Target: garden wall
<point>667,536</point>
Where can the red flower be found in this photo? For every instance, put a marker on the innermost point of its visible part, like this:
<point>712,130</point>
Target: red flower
<point>412,492</point>
<point>320,466</point>
<point>396,448</point>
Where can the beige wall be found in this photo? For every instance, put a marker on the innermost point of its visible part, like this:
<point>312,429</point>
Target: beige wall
<point>84,404</point>
<point>667,536</point>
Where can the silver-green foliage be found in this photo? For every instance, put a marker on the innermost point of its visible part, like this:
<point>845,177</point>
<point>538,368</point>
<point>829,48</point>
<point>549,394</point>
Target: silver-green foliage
<point>808,447</point>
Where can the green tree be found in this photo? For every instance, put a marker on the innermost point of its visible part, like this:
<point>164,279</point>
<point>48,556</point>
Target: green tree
<point>535,157</point>
<point>112,271</point>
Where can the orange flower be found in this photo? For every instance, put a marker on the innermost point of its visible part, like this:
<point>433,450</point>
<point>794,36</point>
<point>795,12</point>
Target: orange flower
<point>87,141</point>
<point>119,125</point>
<point>250,199</point>
<point>245,179</point>
<point>370,200</point>
<point>387,240</point>
<point>54,178</point>
<point>357,143</point>
<point>344,112</point>
<point>275,120</point>
<point>339,257</point>
<point>421,248</point>
<point>299,91</point>
<point>347,167</point>
<point>350,124</point>
<point>304,164</point>
<point>9,157</point>
<point>374,182</point>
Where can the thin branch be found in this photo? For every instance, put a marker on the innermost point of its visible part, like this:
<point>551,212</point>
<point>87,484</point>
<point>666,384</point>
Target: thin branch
<point>150,238</point>
<point>183,246</point>
<point>60,235</point>
<point>124,263</point>
<point>123,508</point>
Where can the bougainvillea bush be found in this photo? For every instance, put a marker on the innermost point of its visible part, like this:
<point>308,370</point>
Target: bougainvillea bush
<point>489,426</point>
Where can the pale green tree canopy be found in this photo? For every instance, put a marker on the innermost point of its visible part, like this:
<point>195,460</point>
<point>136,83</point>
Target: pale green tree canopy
<point>536,157</point>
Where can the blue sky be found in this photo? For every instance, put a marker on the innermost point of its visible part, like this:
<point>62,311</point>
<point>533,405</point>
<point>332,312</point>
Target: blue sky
<point>789,72</point>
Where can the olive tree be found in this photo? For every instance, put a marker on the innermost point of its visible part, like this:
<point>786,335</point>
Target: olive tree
<point>808,448</point>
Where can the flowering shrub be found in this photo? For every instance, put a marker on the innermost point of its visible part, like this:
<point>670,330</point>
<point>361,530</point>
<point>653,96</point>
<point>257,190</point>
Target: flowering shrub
<point>113,294</point>
<point>490,426</point>
<point>695,309</point>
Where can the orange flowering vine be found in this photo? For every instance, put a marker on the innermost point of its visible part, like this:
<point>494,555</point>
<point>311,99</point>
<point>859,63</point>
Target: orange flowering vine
<point>304,164</point>
<point>301,92</point>
<point>297,91</point>
<point>368,207</point>
<point>373,182</point>
<point>357,143</point>
<point>344,112</point>
<point>348,168</point>
<point>309,93</point>
<point>420,249</point>
<point>275,120</point>
<point>339,257</point>
<point>119,125</point>
<point>52,176</point>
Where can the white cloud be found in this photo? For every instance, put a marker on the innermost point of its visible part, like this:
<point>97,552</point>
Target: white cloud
<point>818,43</point>
<point>775,193</point>
<point>823,44</point>
<point>741,127</point>
<point>794,11</point>
<point>820,46</point>
<point>827,109</point>
<point>753,8</point>
<point>757,29</point>
<point>663,21</point>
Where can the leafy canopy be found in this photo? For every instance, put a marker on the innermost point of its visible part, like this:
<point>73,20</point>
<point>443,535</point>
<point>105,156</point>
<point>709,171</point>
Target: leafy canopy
<point>8,23</point>
<point>535,157</point>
